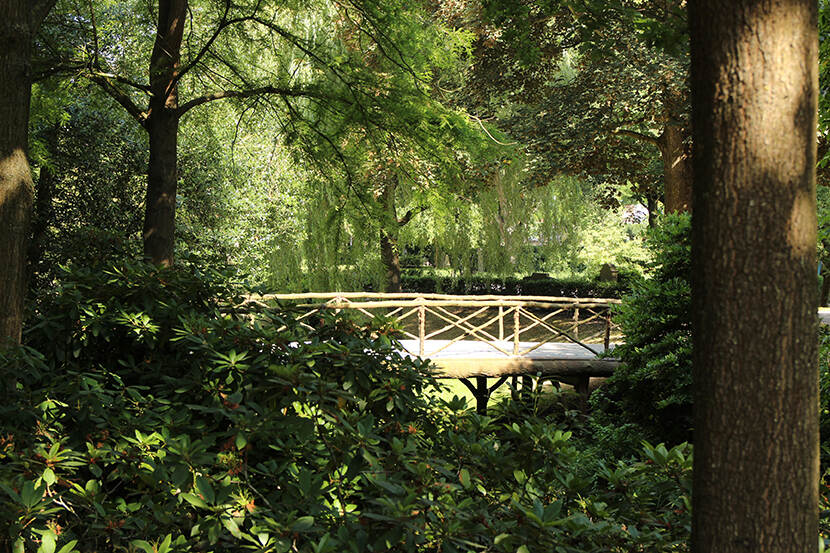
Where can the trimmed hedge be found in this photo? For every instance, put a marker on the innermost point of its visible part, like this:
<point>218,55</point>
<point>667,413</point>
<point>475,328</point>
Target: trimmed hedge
<point>417,281</point>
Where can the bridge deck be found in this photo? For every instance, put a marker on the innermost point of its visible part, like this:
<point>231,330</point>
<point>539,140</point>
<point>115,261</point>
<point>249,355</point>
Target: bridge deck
<point>467,358</point>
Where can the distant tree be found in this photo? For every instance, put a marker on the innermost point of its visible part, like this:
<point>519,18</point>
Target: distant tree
<point>596,89</point>
<point>19,23</point>
<point>754,94</point>
<point>305,61</point>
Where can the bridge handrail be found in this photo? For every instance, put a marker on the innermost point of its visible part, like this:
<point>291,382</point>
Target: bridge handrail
<point>404,305</point>
<point>434,297</point>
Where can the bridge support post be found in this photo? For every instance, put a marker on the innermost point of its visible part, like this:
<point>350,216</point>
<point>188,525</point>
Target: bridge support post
<point>482,395</point>
<point>583,388</point>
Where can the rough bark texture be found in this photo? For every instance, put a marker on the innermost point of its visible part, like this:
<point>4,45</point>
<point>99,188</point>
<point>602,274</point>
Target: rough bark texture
<point>162,124</point>
<point>754,90</point>
<point>677,171</point>
<point>675,152</point>
<point>19,21</point>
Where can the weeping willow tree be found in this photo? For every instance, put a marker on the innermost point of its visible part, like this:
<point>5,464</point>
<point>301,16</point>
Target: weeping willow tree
<point>379,165</point>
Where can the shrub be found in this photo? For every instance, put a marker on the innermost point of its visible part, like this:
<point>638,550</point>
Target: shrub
<point>652,388</point>
<point>153,417</point>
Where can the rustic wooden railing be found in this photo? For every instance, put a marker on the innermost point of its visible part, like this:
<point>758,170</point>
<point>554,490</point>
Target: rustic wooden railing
<point>511,325</point>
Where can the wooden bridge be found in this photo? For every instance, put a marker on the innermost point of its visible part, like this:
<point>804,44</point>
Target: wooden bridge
<point>481,337</point>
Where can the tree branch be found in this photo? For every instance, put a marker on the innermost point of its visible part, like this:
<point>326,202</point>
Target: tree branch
<point>284,92</point>
<point>38,12</point>
<point>638,136</point>
<point>94,34</point>
<point>224,23</point>
<point>119,79</point>
<point>120,97</point>
<point>410,214</point>
<point>61,68</point>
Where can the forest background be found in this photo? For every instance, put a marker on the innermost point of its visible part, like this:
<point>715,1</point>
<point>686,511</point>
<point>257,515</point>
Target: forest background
<point>325,158</point>
<point>324,145</point>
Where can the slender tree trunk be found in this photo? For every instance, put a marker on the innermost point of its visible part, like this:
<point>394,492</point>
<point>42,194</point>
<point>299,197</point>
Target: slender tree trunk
<point>44,208</point>
<point>754,90</point>
<point>389,253</point>
<point>162,181</point>
<point>162,124</point>
<point>652,211</point>
<point>391,262</point>
<point>19,21</point>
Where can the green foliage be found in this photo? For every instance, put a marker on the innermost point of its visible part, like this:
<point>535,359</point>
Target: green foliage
<point>89,180</point>
<point>652,389</point>
<point>426,283</point>
<point>824,382</point>
<point>153,417</point>
<point>607,238</point>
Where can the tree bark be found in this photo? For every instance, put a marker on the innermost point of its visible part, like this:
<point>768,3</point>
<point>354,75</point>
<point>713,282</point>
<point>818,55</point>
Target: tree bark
<point>19,21</point>
<point>677,170</point>
<point>162,124</point>
<point>754,93</point>
<point>389,253</point>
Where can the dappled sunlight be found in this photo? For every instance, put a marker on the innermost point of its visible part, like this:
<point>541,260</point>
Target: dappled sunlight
<point>801,226</point>
<point>770,116</point>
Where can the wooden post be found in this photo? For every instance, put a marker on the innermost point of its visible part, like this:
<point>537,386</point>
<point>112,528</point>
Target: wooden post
<point>422,318</point>
<point>501,321</point>
<point>516,330</point>
<point>607,341</point>
<point>576,323</point>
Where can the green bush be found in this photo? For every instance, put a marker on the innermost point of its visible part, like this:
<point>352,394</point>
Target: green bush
<point>652,388</point>
<point>824,382</point>
<point>145,414</point>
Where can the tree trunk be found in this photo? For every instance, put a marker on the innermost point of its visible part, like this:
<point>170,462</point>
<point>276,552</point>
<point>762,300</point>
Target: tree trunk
<point>677,170</point>
<point>652,211</point>
<point>162,181</point>
<point>391,262</point>
<point>44,208</point>
<point>389,254</point>
<point>754,90</point>
<point>19,21</point>
<point>162,124</point>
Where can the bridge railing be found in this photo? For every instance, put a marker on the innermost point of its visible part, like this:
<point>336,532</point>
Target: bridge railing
<point>510,325</point>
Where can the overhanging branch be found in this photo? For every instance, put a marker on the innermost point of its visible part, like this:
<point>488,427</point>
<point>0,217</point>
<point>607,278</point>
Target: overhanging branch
<point>410,214</point>
<point>284,92</point>
<point>120,96</point>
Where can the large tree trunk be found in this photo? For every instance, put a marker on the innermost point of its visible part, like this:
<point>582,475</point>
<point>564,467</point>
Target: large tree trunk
<point>754,85</point>
<point>19,21</point>
<point>162,124</point>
